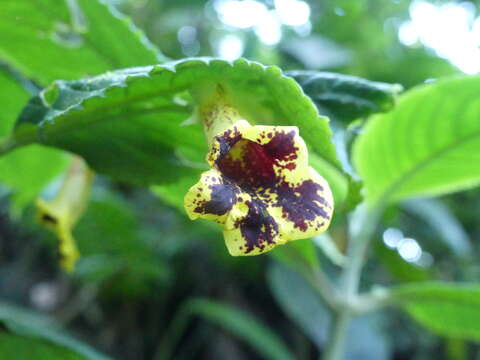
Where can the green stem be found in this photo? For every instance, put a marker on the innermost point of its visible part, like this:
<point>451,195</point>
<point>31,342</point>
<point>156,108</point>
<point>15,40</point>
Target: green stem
<point>356,253</point>
<point>327,291</point>
<point>338,334</point>
<point>318,279</point>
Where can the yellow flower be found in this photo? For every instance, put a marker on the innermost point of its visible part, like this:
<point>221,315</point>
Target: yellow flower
<point>61,214</point>
<point>260,189</point>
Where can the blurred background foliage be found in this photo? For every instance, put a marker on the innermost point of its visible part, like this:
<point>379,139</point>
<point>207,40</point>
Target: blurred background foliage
<point>153,285</point>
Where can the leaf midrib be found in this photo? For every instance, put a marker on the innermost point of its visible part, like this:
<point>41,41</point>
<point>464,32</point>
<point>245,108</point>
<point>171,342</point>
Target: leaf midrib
<point>424,163</point>
<point>58,131</point>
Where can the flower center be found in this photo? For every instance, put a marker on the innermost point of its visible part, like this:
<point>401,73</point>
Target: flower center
<point>252,165</point>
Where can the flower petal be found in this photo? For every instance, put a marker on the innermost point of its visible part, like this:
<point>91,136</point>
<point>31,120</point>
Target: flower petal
<point>283,145</point>
<point>57,220</point>
<point>285,213</point>
<point>306,206</point>
<point>215,198</point>
<point>223,142</point>
<point>255,233</point>
<point>258,156</point>
<point>261,189</point>
<point>62,213</point>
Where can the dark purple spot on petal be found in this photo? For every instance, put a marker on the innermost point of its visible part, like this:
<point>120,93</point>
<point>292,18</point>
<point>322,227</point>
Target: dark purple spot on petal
<point>302,203</point>
<point>227,140</point>
<point>223,197</point>
<point>282,146</point>
<point>252,168</point>
<point>258,228</point>
<point>251,165</point>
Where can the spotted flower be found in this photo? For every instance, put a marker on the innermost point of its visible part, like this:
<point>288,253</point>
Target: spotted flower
<point>260,189</point>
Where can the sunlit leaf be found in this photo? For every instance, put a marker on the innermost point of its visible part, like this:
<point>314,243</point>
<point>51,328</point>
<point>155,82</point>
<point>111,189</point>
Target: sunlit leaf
<point>49,39</point>
<point>446,308</point>
<point>14,97</point>
<point>428,145</point>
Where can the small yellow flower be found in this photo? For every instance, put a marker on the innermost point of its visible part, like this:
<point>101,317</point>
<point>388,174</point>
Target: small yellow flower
<point>61,214</point>
<point>260,189</point>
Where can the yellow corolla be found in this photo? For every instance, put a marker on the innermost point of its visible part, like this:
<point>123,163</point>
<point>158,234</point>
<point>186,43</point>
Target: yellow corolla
<point>62,213</point>
<point>261,189</point>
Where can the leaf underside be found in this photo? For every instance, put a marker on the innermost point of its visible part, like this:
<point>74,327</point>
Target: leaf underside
<point>428,145</point>
<point>448,309</point>
<point>132,124</point>
<point>344,97</point>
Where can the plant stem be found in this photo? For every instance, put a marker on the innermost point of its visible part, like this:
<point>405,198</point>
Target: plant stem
<point>356,253</point>
<point>325,288</point>
<point>338,334</point>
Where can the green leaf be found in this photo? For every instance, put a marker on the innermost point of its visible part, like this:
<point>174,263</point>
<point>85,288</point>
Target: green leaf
<point>27,171</point>
<point>173,193</point>
<point>428,145</point>
<point>457,349</point>
<point>27,323</point>
<point>300,302</point>
<point>14,97</point>
<point>346,191</point>
<point>300,255</point>
<point>237,322</point>
<point>447,309</point>
<point>131,124</point>
<point>81,37</point>
<point>24,348</point>
<point>345,97</point>
<point>243,325</point>
<point>127,254</point>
